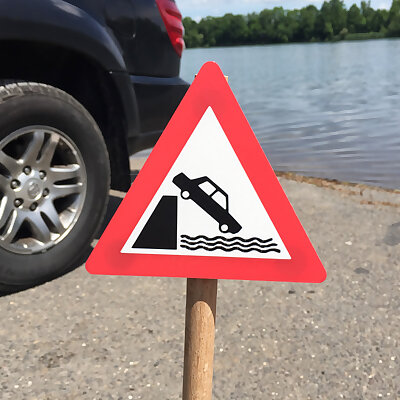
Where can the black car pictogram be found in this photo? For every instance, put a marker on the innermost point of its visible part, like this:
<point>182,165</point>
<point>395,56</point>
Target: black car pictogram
<point>218,210</point>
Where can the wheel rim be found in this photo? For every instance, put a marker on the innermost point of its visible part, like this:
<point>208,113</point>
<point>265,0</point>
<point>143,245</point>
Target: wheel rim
<point>42,189</point>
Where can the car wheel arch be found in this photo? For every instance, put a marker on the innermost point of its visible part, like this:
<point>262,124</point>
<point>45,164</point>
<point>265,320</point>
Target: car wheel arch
<point>88,83</point>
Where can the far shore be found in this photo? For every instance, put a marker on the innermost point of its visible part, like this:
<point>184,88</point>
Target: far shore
<point>350,39</point>
<point>365,194</point>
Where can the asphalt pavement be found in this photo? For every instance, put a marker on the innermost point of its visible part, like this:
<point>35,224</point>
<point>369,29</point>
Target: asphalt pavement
<point>107,337</point>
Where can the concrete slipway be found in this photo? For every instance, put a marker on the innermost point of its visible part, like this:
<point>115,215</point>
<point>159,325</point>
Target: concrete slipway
<point>99,337</point>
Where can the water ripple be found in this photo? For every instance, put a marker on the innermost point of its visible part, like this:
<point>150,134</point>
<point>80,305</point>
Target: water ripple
<point>323,110</point>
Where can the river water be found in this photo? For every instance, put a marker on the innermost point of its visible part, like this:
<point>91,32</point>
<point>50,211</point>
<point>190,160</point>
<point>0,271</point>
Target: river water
<point>328,110</point>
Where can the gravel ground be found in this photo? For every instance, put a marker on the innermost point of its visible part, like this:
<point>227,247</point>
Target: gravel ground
<point>100,337</point>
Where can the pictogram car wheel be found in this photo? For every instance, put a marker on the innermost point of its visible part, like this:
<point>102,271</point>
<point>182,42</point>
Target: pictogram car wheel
<point>224,228</point>
<point>185,194</point>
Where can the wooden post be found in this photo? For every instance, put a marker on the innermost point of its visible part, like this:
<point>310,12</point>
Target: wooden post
<point>201,300</point>
<point>201,305</point>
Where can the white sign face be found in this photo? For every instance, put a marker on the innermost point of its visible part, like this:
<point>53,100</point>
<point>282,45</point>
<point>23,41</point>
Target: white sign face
<point>206,205</point>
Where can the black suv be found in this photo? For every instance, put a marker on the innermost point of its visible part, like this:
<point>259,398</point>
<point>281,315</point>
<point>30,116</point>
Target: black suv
<point>83,84</point>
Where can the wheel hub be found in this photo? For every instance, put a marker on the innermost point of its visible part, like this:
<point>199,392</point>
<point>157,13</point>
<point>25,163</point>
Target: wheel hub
<point>30,188</point>
<point>33,189</point>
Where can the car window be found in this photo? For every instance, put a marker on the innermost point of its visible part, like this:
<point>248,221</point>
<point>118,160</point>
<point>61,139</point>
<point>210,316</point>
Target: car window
<point>220,199</point>
<point>207,187</point>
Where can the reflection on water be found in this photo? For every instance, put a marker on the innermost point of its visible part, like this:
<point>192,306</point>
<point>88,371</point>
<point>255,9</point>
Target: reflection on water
<point>327,110</point>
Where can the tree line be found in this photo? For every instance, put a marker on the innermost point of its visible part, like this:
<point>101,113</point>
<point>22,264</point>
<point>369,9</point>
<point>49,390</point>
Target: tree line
<point>331,22</point>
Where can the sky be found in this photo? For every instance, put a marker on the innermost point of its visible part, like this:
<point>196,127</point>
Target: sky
<point>197,9</point>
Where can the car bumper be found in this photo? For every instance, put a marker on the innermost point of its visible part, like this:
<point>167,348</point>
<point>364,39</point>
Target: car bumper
<point>157,99</point>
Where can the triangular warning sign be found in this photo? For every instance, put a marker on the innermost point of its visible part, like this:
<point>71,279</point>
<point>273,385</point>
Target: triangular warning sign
<point>207,204</point>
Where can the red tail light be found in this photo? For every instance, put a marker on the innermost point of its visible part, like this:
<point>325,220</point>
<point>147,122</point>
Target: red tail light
<point>173,22</point>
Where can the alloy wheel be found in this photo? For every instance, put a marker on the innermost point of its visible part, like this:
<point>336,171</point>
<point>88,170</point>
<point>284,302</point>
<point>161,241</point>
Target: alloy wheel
<point>42,189</point>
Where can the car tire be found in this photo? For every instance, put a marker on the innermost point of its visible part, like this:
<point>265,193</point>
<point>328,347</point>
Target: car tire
<point>54,183</point>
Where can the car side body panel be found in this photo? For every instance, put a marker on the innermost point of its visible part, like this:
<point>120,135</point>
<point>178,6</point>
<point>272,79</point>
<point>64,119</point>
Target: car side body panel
<point>60,23</point>
<point>127,39</point>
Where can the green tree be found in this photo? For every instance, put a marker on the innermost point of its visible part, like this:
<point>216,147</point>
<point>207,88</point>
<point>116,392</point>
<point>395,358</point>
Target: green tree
<point>337,15</point>
<point>254,28</point>
<point>355,20</point>
<point>292,22</point>
<point>233,30</point>
<point>328,30</point>
<point>193,38</point>
<point>380,20</point>
<point>278,25</point>
<point>209,28</point>
<point>394,19</point>
<point>331,19</point>
<point>308,18</point>
<point>368,13</point>
<point>267,26</point>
